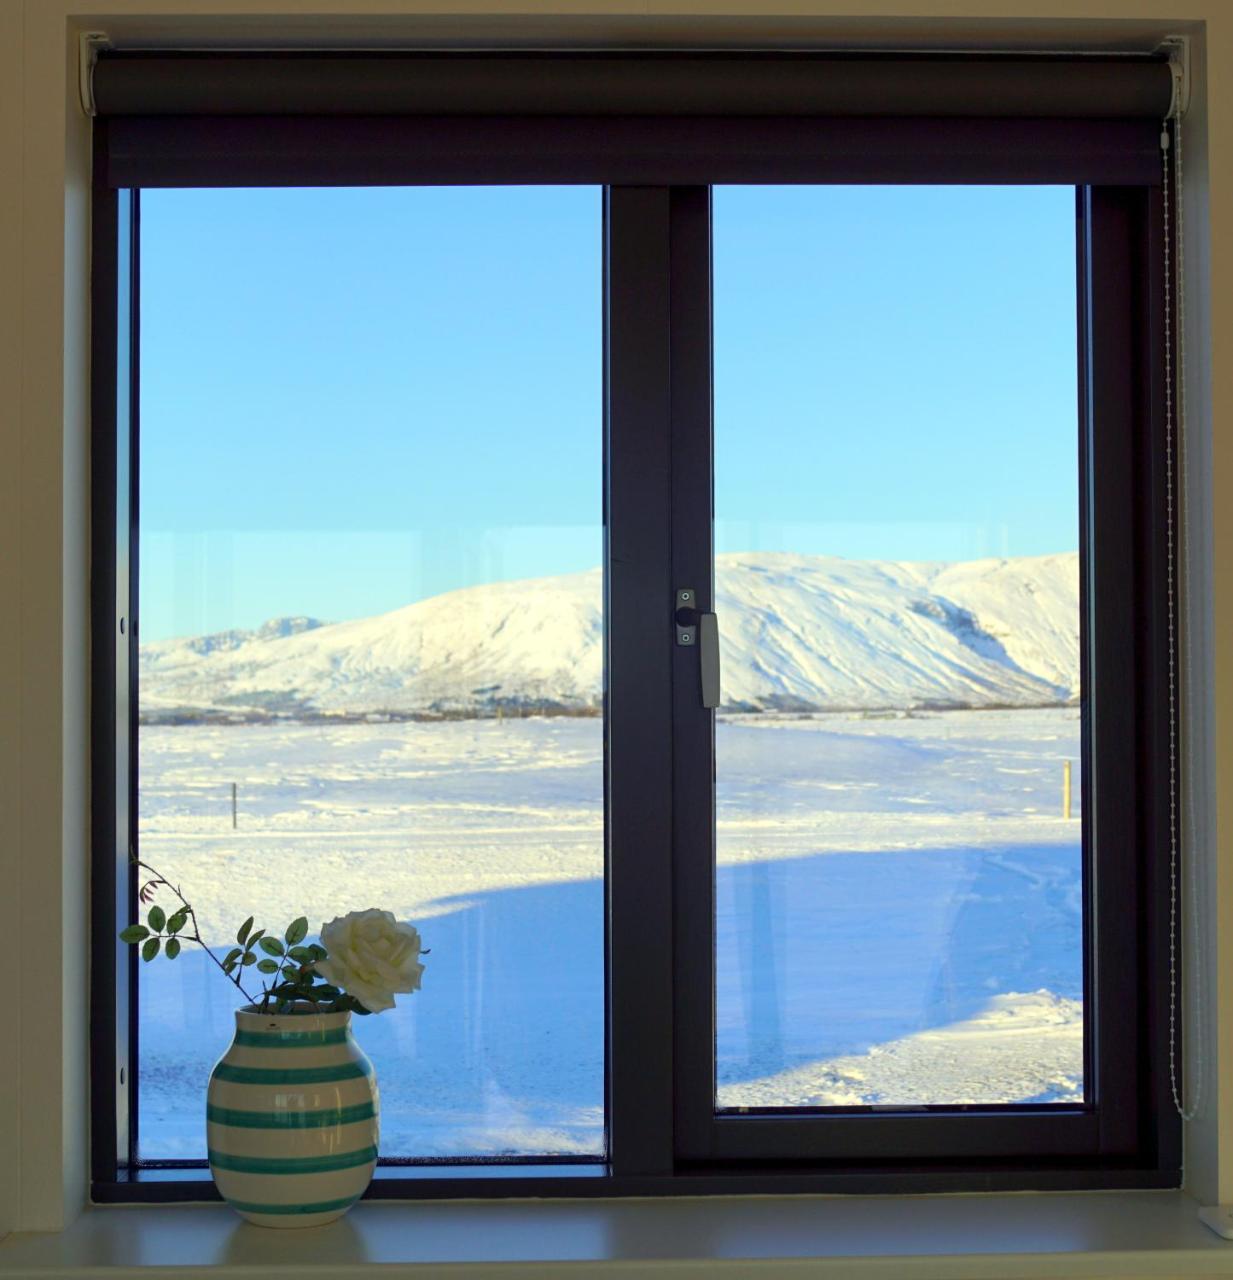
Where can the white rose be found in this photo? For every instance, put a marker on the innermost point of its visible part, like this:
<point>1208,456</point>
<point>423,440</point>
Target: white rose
<point>371,956</point>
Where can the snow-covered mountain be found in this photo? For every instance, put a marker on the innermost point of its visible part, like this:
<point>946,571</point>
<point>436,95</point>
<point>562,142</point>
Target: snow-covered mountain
<point>797,633</point>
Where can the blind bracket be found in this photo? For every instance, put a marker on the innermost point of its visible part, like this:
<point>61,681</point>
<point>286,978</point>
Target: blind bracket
<point>1178,49</point>
<point>88,45</point>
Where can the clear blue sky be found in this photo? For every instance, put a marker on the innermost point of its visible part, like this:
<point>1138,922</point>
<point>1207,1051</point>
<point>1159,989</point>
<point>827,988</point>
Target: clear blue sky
<point>353,399</point>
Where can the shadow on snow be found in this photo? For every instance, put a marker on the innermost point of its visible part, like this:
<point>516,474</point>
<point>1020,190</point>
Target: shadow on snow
<point>502,1051</point>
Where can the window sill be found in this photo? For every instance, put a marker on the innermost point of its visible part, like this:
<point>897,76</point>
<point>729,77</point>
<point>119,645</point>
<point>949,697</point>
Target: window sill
<point>1124,1234</point>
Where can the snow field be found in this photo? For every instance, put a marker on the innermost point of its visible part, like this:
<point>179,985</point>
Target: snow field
<point>898,912</point>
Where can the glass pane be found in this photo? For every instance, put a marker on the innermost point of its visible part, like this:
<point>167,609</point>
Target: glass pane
<point>371,654</point>
<point>899,879</point>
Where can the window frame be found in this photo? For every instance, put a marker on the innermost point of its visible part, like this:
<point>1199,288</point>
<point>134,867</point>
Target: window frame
<point>658,741</point>
<point>1124,716</point>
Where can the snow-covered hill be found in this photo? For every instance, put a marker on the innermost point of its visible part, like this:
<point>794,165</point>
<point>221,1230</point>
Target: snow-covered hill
<point>797,633</point>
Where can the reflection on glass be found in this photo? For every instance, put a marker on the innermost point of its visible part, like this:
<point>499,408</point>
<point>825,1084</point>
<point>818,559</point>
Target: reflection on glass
<point>371,634</point>
<point>898,888</point>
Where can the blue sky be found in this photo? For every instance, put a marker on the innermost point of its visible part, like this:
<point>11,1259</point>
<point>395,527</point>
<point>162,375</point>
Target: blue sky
<point>353,399</point>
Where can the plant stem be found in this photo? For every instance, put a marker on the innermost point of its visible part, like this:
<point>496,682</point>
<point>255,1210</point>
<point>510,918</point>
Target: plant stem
<point>195,936</point>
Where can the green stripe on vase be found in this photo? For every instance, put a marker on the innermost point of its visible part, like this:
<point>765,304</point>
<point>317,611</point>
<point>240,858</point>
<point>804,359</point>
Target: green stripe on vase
<point>292,1075</point>
<point>289,1119</point>
<point>292,1164</point>
<point>291,1039</point>
<point>321,1206</point>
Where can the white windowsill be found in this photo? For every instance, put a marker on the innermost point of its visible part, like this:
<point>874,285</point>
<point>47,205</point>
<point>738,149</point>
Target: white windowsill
<point>1122,1234</point>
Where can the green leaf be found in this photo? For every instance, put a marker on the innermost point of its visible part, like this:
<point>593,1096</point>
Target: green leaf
<point>134,933</point>
<point>256,938</point>
<point>232,956</point>
<point>327,992</point>
<point>319,952</point>
<point>177,922</point>
<point>157,919</point>
<point>172,949</point>
<point>297,930</point>
<point>249,958</point>
<point>242,934</point>
<point>301,955</point>
<point>149,948</point>
<point>271,946</point>
<point>267,966</point>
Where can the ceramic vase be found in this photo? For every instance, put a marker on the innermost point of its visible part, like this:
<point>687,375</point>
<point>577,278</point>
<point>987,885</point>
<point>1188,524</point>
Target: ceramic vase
<point>292,1118</point>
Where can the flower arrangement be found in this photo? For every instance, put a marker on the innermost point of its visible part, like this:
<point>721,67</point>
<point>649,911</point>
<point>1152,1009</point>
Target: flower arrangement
<point>363,960</point>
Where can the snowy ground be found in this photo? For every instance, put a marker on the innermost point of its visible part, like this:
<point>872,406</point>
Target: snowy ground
<point>898,912</point>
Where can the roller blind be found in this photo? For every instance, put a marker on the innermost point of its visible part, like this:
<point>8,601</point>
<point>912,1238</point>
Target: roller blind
<point>607,84</point>
<point>187,118</point>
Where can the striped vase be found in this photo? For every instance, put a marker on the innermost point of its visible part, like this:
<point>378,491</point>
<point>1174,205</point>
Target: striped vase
<point>291,1118</point>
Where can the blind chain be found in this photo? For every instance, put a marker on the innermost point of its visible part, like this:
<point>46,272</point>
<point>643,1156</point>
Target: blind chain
<point>1180,823</point>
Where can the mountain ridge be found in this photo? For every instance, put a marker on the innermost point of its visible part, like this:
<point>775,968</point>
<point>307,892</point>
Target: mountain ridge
<point>798,633</point>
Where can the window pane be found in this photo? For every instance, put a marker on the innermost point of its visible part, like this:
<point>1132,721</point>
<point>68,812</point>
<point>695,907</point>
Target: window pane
<point>371,634</point>
<point>899,879</point>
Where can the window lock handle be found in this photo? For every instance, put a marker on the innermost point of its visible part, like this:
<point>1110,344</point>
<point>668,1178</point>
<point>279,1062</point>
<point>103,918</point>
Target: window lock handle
<point>699,631</point>
<point>708,658</point>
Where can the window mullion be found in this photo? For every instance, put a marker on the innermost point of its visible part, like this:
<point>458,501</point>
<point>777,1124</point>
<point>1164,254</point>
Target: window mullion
<point>638,680</point>
<point>693,724</point>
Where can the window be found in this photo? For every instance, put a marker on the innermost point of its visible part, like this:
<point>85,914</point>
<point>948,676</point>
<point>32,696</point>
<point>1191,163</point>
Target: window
<point>899,877</point>
<point>439,503</point>
<point>429,448</point>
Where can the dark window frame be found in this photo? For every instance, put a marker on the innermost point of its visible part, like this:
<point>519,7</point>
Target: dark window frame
<point>658,741</point>
<point>1124,706</point>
